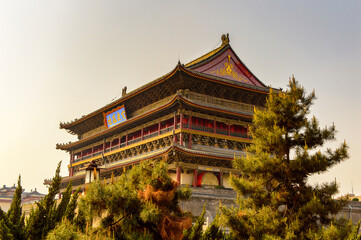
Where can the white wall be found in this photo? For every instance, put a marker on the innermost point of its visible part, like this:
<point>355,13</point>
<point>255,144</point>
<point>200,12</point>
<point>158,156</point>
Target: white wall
<point>187,178</point>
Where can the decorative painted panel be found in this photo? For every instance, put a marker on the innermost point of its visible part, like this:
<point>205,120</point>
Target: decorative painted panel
<point>115,117</point>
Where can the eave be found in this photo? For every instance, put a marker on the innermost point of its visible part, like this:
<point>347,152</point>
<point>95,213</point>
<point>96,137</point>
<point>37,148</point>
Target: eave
<point>180,68</point>
<point>198,153</point>
<point>120,100</point>
<point>112,130</point>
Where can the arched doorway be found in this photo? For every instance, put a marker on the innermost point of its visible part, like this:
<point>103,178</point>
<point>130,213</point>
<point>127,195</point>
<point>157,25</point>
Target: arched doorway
<point>207,178</point>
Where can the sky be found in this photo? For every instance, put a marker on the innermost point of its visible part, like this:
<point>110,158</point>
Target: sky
<point>60,60</point>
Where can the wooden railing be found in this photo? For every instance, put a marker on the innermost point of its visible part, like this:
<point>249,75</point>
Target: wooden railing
<point>151,107</point>
<point>168,129</point>
<point>220,102</point>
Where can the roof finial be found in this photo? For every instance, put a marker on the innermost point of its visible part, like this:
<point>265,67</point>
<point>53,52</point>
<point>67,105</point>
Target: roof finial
<point>124,91</point>
<point>225,39</point>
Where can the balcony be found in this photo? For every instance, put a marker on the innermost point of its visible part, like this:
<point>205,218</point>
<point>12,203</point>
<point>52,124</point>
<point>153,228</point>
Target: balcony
<point>202,128</point>
<point>165,130</point>
<point>150,135</point>
<point>196,127</point>
<point>134,140</point>
<point>237,134</point>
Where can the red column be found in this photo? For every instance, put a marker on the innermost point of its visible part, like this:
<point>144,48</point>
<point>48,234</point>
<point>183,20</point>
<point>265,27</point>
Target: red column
<point>159,128</point>
<point>92,151</point>
<point>195,177</point>
<point>190,122</point>
<point>141,133</point>
<point>181,120</point>
<point>175,121</point>
<point>72,157</point>
<point>179,171</point>
<point>181,134</point>
<point>126,139</point>
<point>214,126</point>
<point>229,129</point>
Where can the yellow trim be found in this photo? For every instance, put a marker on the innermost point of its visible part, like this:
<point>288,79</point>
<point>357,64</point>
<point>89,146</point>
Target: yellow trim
<point>79,173</point>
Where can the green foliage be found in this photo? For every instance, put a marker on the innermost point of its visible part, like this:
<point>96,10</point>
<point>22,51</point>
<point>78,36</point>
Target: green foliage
<point>143,203</point>
<point>61,208</point>
<point>354,235</point>
<point>275,201</point>
<point>12,223</point>
<point>5,232</point>
<point>41,219</point>
<point>48,214</point>
<point>196,231</point>
<point>15,215</point>
<point>340,229</point>
<point>214,232</point>
<point>70,209</point>
<point>355,199</point>
<point>80,220</point>
<point>64,231</point>
<point>67,231</point>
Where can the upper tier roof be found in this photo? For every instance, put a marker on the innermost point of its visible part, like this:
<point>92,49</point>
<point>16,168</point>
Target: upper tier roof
<point>221,65</point>
<point>223,62</point>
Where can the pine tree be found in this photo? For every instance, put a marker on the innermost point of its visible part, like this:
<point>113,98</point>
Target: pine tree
<point>39,222</point>
<point>16,218</point>
<point>61,208</point>
<point>196,231</point>
<point>5,232</point>
<point>354,234</point>
<point>47,214</point>
<point>141,204</point>
<point>80,220</point>
<point>274,197</point>
<point>214,232</point>
<point>12,223</point>
<point>73,203</point>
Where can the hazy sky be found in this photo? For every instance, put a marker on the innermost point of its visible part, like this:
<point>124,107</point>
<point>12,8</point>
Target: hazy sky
<point>60,60</point>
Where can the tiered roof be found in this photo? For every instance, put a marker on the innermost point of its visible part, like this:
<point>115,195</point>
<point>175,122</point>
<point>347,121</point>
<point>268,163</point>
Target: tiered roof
<point>221,66</point>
